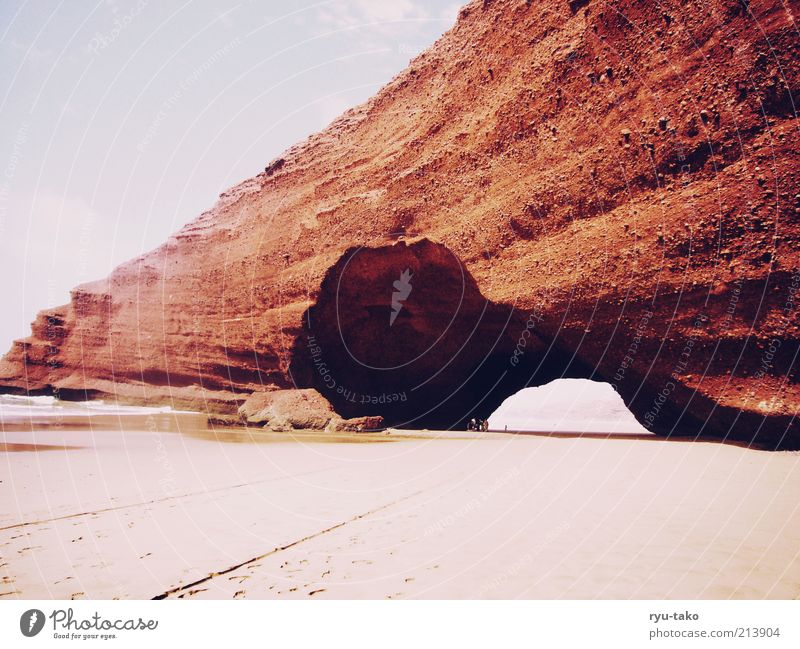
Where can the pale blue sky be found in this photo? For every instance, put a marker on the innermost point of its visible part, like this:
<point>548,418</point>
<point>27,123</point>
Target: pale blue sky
<point>122,120</point>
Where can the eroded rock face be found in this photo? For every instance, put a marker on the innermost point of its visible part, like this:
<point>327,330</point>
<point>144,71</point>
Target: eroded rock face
<point>296,409</point>
<point>402,331</point>
<point>356,425</point>
<point>624,180</point>
<point>283,410</point>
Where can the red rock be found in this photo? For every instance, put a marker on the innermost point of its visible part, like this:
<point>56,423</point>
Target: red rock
<point>449,163</point>
<point>356,425</point>
<point>287,409</point>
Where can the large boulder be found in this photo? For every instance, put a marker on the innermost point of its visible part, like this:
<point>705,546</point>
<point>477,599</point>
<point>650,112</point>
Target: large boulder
<point>283,410</point>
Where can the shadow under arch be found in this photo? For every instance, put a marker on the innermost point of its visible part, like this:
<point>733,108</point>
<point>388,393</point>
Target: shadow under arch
<point>403,331</point>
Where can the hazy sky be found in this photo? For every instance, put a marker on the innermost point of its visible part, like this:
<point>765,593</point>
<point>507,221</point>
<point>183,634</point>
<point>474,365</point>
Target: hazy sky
<point>123,120</point>
<point>567,405</point>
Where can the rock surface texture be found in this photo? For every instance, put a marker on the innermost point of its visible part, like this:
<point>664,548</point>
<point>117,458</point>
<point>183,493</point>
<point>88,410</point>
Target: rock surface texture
<point>604,190</point>
<point>287,409</point>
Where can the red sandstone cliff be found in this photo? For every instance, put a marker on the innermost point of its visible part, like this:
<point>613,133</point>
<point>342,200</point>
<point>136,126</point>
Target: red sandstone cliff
<point>604,189</point>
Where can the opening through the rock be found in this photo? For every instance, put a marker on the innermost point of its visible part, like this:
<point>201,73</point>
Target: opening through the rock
<point>566,406</point>
<point>403,331</point>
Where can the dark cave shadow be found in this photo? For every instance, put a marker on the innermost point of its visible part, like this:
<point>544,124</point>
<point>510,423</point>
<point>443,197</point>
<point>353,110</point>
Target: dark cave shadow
<point>448,354</point>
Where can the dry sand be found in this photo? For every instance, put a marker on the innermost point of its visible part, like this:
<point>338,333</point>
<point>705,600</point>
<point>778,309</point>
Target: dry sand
<point>92,512</point>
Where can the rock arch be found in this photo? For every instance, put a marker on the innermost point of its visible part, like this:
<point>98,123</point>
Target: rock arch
<point>437,352</point>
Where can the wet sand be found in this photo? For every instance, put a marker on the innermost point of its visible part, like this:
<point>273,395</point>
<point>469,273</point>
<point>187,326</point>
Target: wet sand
<point>169,508</point>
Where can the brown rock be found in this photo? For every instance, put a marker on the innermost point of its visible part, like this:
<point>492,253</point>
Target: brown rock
<point>283,410</point>
<point>356,424</point>
<point>226,420</point>
<point>432,175</point>
<point>280,425</point>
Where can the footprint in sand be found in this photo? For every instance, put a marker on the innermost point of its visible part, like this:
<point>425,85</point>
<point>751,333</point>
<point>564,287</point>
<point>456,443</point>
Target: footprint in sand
<point>33,547</point>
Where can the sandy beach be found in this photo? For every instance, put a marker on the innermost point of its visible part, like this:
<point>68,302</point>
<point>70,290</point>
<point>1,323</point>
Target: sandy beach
<point>159,505</point>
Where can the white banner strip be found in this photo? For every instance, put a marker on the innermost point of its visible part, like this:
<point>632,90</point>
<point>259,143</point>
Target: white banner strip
<point>379,624</point>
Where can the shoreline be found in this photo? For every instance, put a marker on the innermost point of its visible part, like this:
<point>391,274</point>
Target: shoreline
<point>182,420</point>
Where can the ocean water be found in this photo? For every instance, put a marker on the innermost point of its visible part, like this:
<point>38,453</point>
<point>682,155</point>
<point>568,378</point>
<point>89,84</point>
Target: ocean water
<point>21,407</point>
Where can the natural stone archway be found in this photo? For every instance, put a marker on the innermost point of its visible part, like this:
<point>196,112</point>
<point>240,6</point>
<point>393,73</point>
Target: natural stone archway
<point>403,331</point>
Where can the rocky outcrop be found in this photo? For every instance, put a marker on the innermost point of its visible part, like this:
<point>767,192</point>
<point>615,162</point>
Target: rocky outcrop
<point>296,409</point>
<point>283,410</point>
<point>579,189</point>
<point>356,425</point>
